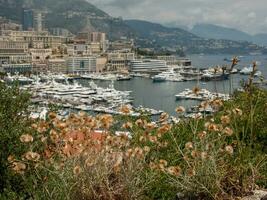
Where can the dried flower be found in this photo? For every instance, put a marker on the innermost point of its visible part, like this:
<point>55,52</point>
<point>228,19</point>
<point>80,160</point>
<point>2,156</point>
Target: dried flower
<point>229,149</point>
<point>202,135</point>
<point>26,138</point>
<point>77,170</point>
<point>150,126</point>
<point>11,158</point>
<point>125,109</point>
<point>89,162</point>
<point>146,149</point>
<point>189,145</point>
<point>153,139</point>
<point>186,158</point>
<point>138,152</point>
<point>196,90</point>
<point>129,153</point>
<point>142,139</point>
<point>191,172</point>
<point>106,121</point>
<point>163,162</point>
<point>53,135</point>
<point>217,103</point>
<point>164,129</point>
<point>18,167</point>
<point>225,120</point>
<point>180,109</point>
<point>116,166</point>
<point>52,115</point>
<point>237,111</point>
<point>228,131</point>
<point>139,123</point>
<point>152,165</point>
<point>127,125</point>
<point>204,104</point>
<point>194,154</point>
<point>164,116</point>
<point>204,155</point>
<point>175,171</point>
<point>213,127</point>
<point>32,156</point>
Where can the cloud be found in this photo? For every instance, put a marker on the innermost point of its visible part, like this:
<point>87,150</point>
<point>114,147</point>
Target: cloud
<point>246,15</point>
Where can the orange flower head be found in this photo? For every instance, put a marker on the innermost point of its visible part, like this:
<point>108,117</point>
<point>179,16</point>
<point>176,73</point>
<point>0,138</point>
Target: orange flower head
<point>180,109</point>
<point>174,171</point>
<point>26,138</point>
<point>228,131</point>
<point>225,119</point>
<point>77,170</point>
<point>32,156</point>
<point>189,145</point>
<point>229,149</point>
<point>237,111</point>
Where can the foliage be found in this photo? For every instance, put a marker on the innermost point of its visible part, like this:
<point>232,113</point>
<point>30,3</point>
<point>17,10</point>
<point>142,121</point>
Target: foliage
<point>13,123</point>
<point>217,157</point>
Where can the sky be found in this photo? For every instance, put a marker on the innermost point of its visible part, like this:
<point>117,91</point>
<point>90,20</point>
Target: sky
<point>246,15</point>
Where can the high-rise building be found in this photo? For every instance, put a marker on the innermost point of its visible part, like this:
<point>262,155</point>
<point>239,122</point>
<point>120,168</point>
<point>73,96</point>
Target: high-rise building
<point>27,20</point>
<point>32,20</point>
<point>38,21</point>
<point>98,37</point>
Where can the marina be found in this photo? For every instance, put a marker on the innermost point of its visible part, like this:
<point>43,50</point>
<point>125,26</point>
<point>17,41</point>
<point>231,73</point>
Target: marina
<point>107,93</point>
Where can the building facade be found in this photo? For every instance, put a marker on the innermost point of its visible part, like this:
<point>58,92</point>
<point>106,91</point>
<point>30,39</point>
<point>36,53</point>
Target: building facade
<point>57,65</point>
<point>148,66</point>
<point>16,67</point>
<point>81,65</point>
<point>119,60</point>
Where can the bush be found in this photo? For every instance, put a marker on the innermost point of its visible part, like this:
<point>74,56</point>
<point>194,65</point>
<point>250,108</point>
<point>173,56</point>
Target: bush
<point>218,157</point>
<point>13,123</point>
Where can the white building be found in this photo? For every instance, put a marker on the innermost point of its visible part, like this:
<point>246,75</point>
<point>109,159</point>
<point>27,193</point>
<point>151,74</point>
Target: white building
<point>148,66</point>
<point>81,64</point>
<point>15,67</point>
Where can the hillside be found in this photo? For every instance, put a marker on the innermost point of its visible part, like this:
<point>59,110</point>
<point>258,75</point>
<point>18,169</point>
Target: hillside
<point>157,36</point>
<point>80,15</point>
<point>211,31</point>
<point>74,15</point>
<point>260,39</point>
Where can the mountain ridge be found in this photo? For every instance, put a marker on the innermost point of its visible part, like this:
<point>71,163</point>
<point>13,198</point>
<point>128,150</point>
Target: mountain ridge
<point>79,15</point>
<point>212,31</point>
<point>155,35</point>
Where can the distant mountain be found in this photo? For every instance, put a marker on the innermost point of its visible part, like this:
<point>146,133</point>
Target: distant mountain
<point>211,31</point>
<point>74,15</point>
<point>157,36</point>
<point>80,15</point>
<point>260,39</point>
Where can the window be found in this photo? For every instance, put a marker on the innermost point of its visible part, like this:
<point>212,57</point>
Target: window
<point>82,64</point>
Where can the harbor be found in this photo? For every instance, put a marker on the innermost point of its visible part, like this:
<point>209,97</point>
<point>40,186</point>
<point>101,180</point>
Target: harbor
<point>143,93</point>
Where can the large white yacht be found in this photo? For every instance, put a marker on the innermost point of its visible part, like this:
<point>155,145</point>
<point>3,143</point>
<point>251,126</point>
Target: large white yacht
<point>169,75</point>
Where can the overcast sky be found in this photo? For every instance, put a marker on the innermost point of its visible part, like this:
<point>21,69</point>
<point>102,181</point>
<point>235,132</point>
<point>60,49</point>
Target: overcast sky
<point>247,15</point>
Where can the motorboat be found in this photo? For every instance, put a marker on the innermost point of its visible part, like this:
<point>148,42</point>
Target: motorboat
<point>246,71</point>
<point>169,75</point>
<point>214,76</point>
<point>123,78</point>
<point>201,95</point>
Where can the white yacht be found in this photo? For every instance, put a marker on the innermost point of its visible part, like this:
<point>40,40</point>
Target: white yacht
<point>246,70</point>
<point>201,95</point>
<point>169,75</point>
